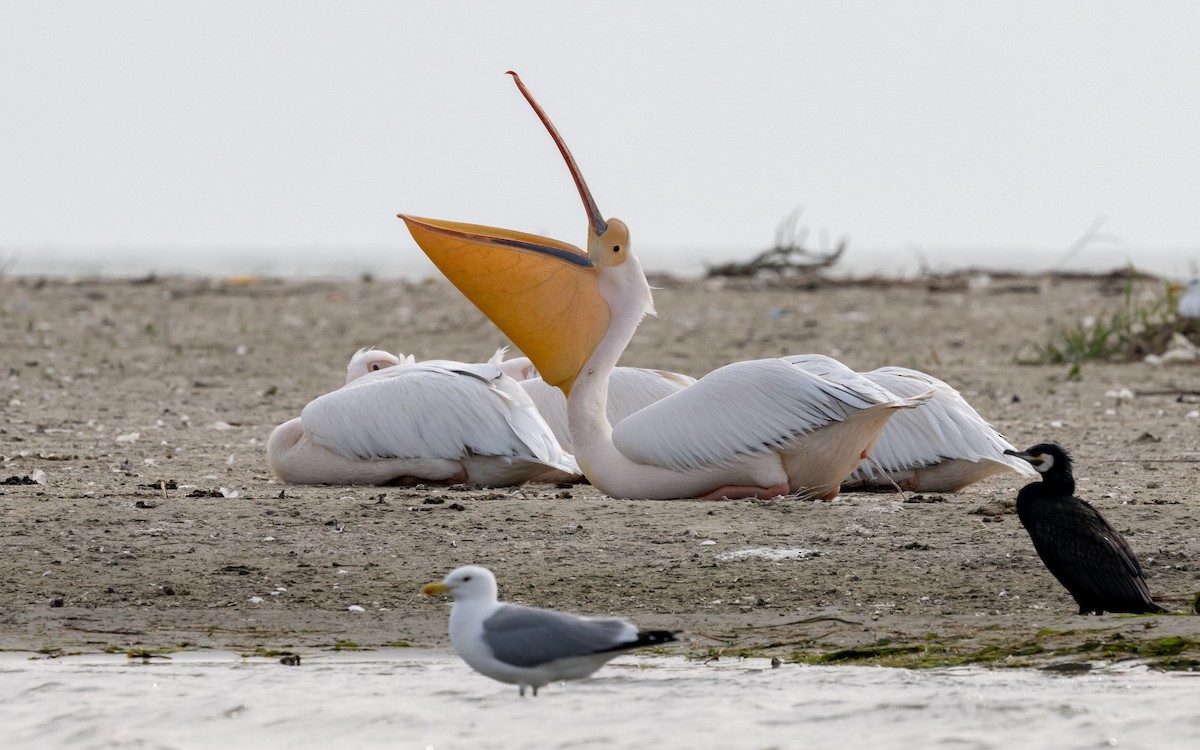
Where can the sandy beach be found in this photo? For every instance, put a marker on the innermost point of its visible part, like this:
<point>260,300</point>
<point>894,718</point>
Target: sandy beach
<point>140,512</point>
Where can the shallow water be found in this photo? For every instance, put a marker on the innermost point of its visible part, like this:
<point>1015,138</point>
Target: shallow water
<point>410,698</point>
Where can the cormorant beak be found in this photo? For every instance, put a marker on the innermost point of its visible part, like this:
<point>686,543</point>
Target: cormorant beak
<point>1035,460</point>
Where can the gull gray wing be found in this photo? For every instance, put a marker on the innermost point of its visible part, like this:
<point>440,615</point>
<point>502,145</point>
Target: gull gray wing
<point>529,637</point>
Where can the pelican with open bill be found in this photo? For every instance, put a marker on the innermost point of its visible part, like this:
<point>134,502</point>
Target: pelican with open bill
<point>758,428</point>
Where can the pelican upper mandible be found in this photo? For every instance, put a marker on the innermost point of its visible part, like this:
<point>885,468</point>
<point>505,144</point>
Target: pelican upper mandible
<point>442,421</point>
<point>757,428</point>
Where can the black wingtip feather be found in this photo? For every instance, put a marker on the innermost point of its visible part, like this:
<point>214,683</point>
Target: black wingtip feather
<point>646,638</point>
<point>653,637</point>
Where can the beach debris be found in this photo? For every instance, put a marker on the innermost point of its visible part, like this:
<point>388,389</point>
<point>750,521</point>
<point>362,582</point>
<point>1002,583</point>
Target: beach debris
<point>995,507</point>
<point>145,504</point>
<point>1180,351</point>
<point>768,553</point>
<point>290,660</point>
<point>355,608</point>
<point>160,484</point>
<point>144,656</point>
<point>129,437</point>
<point>1122,395</point>
<point>788,258</point>
<point>205,493</point>
<point>27,479</point>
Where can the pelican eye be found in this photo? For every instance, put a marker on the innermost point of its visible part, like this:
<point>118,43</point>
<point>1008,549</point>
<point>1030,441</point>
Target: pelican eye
<point>616,248</point>
<point>376,366</point>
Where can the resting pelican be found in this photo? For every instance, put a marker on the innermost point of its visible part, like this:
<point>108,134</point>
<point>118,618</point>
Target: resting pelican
<point>941,447</point>
<point>442,422</point>
<point>373,360</point>
<point>759,428</point>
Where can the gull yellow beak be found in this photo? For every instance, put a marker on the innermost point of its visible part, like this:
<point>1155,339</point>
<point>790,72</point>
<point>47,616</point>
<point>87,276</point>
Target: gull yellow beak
<point>435,588</point>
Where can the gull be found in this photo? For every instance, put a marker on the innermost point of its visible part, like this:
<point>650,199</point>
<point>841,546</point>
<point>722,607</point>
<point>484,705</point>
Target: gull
<point>526,646</point>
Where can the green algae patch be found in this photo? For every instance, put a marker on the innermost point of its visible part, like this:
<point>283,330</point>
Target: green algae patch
<point>261,652</point>
<point>1045,648</point>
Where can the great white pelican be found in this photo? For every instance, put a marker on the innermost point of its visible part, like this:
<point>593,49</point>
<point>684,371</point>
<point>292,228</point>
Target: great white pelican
<point>435,422</point>
<point>759,428</point>
<point>941,447</point>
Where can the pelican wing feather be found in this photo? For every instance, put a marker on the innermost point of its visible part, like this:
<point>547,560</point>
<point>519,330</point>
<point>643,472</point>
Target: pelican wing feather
<point>740,409</point>
<point>433,411</point>
<point>946,427</point>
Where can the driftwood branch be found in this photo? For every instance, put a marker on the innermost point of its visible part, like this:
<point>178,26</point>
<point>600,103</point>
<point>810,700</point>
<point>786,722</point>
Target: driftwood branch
<point>789,256</point>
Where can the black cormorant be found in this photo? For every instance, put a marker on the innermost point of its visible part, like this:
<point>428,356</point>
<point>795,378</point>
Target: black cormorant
<point>1087,555</point>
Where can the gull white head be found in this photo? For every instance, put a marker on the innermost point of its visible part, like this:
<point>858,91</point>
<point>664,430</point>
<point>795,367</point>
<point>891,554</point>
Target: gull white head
<point>468,583</point>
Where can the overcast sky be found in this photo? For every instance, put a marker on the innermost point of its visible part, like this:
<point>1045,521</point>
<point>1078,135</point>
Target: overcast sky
<point>900,124</point>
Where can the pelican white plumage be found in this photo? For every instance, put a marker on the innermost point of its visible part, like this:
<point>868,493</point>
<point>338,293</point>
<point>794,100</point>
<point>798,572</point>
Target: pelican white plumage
<point>941,447</point>
<point>373,360</point>
<point>630,388</point>
<point>759,428</point>
<point>438,422</point>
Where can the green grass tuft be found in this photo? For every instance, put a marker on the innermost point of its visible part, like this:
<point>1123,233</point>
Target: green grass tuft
<point>1136,328</point>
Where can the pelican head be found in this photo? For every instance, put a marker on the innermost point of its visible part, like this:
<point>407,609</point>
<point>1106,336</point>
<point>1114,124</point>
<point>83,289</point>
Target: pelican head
<point>369,360</point>
<point>549,297</point>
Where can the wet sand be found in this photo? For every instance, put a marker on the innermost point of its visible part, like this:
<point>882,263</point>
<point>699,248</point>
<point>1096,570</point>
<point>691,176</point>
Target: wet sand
<point>143,407</point>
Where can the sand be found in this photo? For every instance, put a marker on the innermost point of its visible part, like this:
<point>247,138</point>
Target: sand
<point>115,389</point>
